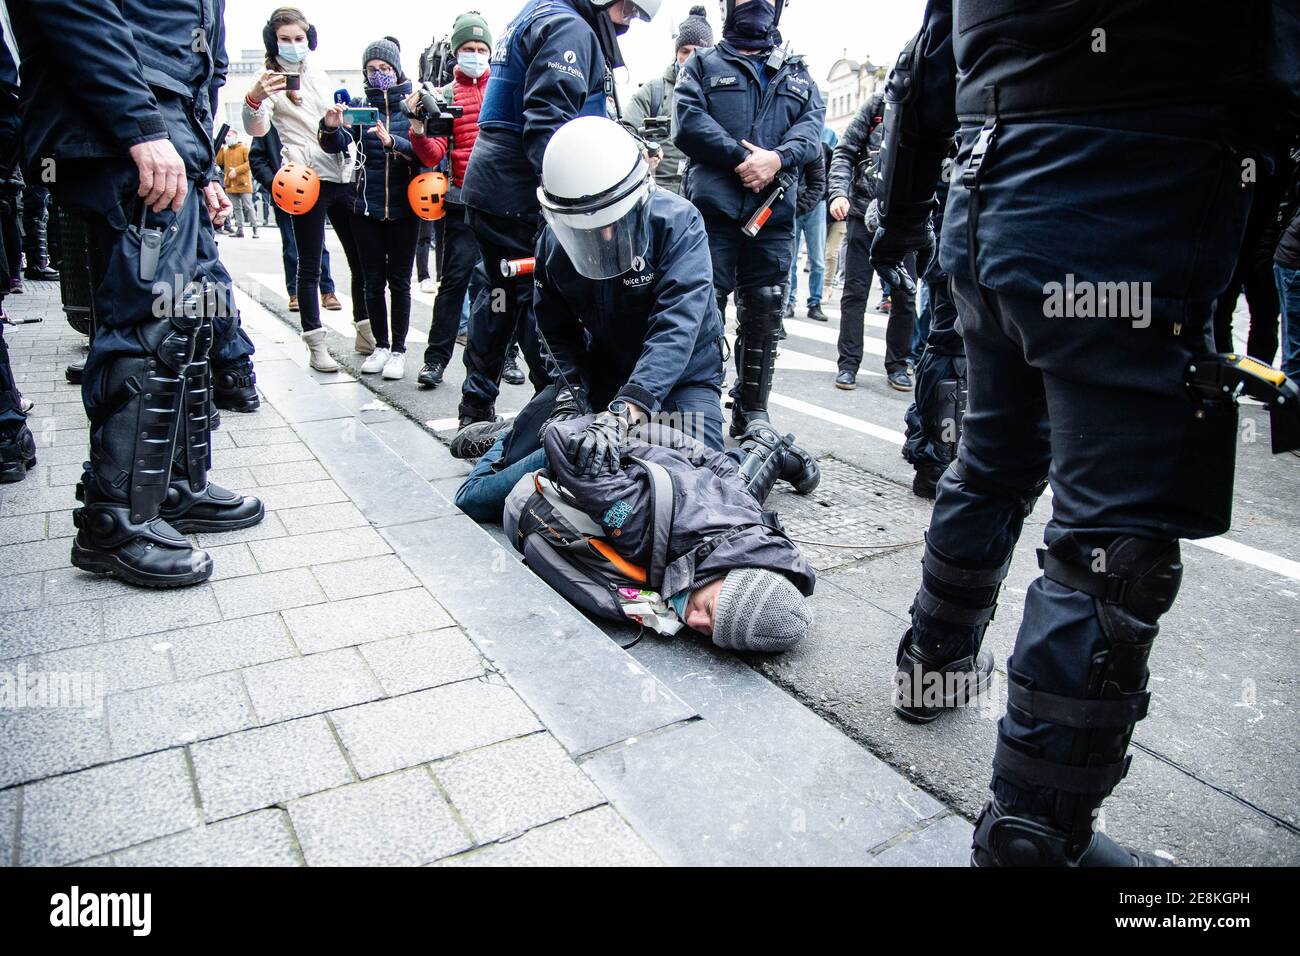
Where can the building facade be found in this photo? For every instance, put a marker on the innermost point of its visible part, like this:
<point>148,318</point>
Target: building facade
<point>848,85</point>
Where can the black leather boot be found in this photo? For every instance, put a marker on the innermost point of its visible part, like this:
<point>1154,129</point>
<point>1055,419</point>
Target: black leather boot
<point>17,453</point>
<point>758,321</point>
<point>1004,839</point>
<point>234,387</point>
<point>764,450</point>
<point>133,438</point>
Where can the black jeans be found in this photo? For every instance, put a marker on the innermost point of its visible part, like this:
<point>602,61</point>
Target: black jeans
<point>387,254</point>
<point>510,311</point>
<point>422,247</point>
<point>456,255</point>
<point>335,203</point>
<point>853,305</point>
<point>289,248</point>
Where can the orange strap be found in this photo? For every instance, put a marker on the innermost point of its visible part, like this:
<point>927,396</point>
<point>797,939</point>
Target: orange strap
<point>625,567</point>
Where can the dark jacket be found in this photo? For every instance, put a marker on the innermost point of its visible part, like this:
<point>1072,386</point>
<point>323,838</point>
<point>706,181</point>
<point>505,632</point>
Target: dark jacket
<point>564,77</point>
<point>100,76</point>
<point>853,167</point>
<point>719,102</point>
<point>265,158</point>
<point>381,186</point>
<point>709,500</point>
<point>1287,253</point>
<point>812,185</point>
<point>640,335</point>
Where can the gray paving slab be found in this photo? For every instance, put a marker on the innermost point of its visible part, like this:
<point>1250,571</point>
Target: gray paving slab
<point>324,627</point>
<point>84,814</point>
<point>258,839</point>
<point>287,472</point>
<point>43,741</point>
<point>299,686</point>
<point>35,556</point>
<point>322,547</point>
<point>123,665</point>
<point>127,615</point>
<point>419,661</point>
<point>598,837</point>
<point>69,585</point>
<point>944,842</point>
<point>9,826</point>
<point>259,768</point>
<point>21,592</point>
<point>397,820</point>
<point>331,517</point>
<point>515,785</point>
<point>227,645</point>
<point>360,401</point>
<point>295,395</point>
<point>178,713</point>
<point>296,495</point>
<point>364,576</point>
<point>430,459</point>
<point>257,437</point>
<point>50,628</point>
<point>269,527</point>
<point>587,690</point>
<point>354,455</point>
<point>22,528</point>
<point>263,455</point>
<point>259,593</point>
<point>427,725</point>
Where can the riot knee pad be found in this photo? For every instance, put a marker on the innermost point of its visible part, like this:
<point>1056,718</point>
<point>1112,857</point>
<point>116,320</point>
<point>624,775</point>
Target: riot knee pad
<point>758,313</point>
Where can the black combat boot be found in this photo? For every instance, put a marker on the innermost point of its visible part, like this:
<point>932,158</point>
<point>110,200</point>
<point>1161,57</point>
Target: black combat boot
<point>765,455</point>
<point>234,387</point>
<point>120,530</point>
<point>470,412</point>
<point>758,321</point>
<point>17,453</point>
<point>511,373</point>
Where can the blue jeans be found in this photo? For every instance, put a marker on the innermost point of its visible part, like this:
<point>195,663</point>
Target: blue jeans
<point>1288,294</point>
<point>289,247</point>
<point>921,331</point>
<point>811,225</point>
<point>483,494</point>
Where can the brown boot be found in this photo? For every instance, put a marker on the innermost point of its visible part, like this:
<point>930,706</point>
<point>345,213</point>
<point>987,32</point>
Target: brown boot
<point>330,301</point>
<point>293,303</point>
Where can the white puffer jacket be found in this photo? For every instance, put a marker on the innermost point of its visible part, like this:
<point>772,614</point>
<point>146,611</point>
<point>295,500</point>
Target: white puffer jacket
<point>298,125</point>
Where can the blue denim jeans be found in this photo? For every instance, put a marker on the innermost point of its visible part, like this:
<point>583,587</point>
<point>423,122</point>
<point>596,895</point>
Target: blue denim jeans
<point>1288,294</point>
<point>811,225</point>
<point>483,495</point>
<point>921,331</point>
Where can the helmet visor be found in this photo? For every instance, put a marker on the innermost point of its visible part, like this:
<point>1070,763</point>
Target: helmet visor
<point>603,235</point>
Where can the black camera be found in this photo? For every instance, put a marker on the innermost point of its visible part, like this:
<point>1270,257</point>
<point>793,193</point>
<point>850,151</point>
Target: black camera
<point>437,115</point>
<point>655,130</point>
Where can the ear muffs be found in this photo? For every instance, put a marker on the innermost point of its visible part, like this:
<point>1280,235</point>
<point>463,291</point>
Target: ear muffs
<point>295,188</point>
<point>273,46</point>
<point>428,196</point>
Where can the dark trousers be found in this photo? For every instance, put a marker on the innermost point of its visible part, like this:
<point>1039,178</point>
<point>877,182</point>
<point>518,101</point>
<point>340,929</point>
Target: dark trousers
<point>740,262</point>
<point>36,221</point>
<point>387,248</point>
<point>289,249</point>
<point>1256,280</point>
<point>933,425</point>
<point>428,231</point>
<point>457,253</point>
<point>335,204</point>
<point>11,413</point>
<point>231,346</point>
<point>10,229</point>
<point>510,311</point>
<point>853,305</point>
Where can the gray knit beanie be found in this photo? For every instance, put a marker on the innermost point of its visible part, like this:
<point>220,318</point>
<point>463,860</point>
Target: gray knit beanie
<point>760,610</point>
<point>695,29</point>
<point>388,50</point>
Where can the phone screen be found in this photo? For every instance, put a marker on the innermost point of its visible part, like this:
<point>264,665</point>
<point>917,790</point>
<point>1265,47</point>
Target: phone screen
<point>360,115</point>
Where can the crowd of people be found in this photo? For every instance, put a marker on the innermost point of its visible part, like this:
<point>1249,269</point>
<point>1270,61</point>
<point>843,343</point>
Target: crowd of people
<point>605,245</point>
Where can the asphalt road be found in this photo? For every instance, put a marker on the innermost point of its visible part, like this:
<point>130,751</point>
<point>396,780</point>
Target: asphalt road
<point>1215,767</point>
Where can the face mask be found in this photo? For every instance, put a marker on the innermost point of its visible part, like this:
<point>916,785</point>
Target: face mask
<point>379,80</point>
<point>753,22</point>
<point>472,64</point>
<point>293,52</point>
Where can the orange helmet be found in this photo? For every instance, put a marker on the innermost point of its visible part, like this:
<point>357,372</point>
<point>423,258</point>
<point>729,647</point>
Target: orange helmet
<point>295,188</point>
<point>428,195</point>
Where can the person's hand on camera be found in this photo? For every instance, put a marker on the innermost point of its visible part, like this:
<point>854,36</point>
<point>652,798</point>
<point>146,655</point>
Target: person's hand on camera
<point>218,203</point>
<point>903,231</point>
<point>569,403</point>
<point>599,447</point>
<point>840,209</point>
<point>267,84</point>
<point>162,175</point>
<point>334,115</point>
<point>382,132</point>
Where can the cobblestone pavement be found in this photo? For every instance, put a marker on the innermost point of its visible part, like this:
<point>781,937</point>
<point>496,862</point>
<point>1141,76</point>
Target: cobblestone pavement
<point>314,703</point>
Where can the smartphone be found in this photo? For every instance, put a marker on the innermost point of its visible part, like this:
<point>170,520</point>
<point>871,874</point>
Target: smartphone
<point>360,116</point>
<point>292,81</point>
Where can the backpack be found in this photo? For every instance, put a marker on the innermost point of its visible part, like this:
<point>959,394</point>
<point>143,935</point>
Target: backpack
<point>569,551</point>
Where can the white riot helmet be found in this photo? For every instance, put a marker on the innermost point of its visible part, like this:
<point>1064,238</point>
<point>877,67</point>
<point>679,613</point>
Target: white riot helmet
<point>646,9</point>
<point>595,195</point>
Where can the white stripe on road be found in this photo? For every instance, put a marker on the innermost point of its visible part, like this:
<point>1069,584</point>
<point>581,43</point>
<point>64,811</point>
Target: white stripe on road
<point>836,418</point>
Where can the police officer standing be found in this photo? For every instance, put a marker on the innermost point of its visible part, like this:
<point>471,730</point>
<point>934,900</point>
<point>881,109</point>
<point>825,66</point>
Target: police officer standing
<point>553,62</point>
<point>1061,180</point>
<point>748,117</point>
<point>116,96</point>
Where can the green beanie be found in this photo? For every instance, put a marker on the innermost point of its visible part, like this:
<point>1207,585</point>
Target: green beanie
<point>470,26</point>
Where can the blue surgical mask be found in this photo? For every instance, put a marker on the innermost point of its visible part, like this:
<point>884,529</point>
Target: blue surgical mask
<point>472,65</point>
<point>293,52</point>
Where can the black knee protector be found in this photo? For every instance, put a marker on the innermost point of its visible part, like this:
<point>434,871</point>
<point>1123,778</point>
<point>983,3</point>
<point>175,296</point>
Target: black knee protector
<point>952,608</point>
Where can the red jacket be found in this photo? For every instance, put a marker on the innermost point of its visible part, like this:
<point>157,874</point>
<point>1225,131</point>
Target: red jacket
<point>430,150</point>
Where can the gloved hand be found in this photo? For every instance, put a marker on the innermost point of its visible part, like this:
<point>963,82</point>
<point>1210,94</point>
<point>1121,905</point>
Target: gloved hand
<point>905,230</point>
<point>569,403</point>
<point>600,445</point>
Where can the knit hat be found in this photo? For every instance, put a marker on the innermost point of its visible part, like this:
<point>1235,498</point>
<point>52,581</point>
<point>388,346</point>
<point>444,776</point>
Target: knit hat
<point>470,26</point>
<point>759,610</point>
<point>695,29</point>
<point>388,50</point>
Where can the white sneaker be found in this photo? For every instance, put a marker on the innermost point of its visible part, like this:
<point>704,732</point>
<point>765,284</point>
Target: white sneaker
<point>428,285</point>
<point>395,367</point>
<point>375,361</point>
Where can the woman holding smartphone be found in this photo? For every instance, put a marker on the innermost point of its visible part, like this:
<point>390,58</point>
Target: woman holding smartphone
<point>295,97</point>
<point>385,226</point>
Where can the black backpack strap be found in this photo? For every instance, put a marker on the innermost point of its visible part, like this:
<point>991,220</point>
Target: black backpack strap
<point>661,496</point>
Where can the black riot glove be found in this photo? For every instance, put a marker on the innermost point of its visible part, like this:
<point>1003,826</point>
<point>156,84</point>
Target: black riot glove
<point>906,229</point>
<point>569,403</point>
<point>600,445</point>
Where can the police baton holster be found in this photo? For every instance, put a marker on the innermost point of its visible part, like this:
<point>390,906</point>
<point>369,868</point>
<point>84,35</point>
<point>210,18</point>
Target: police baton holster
<point>1226,376</point>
